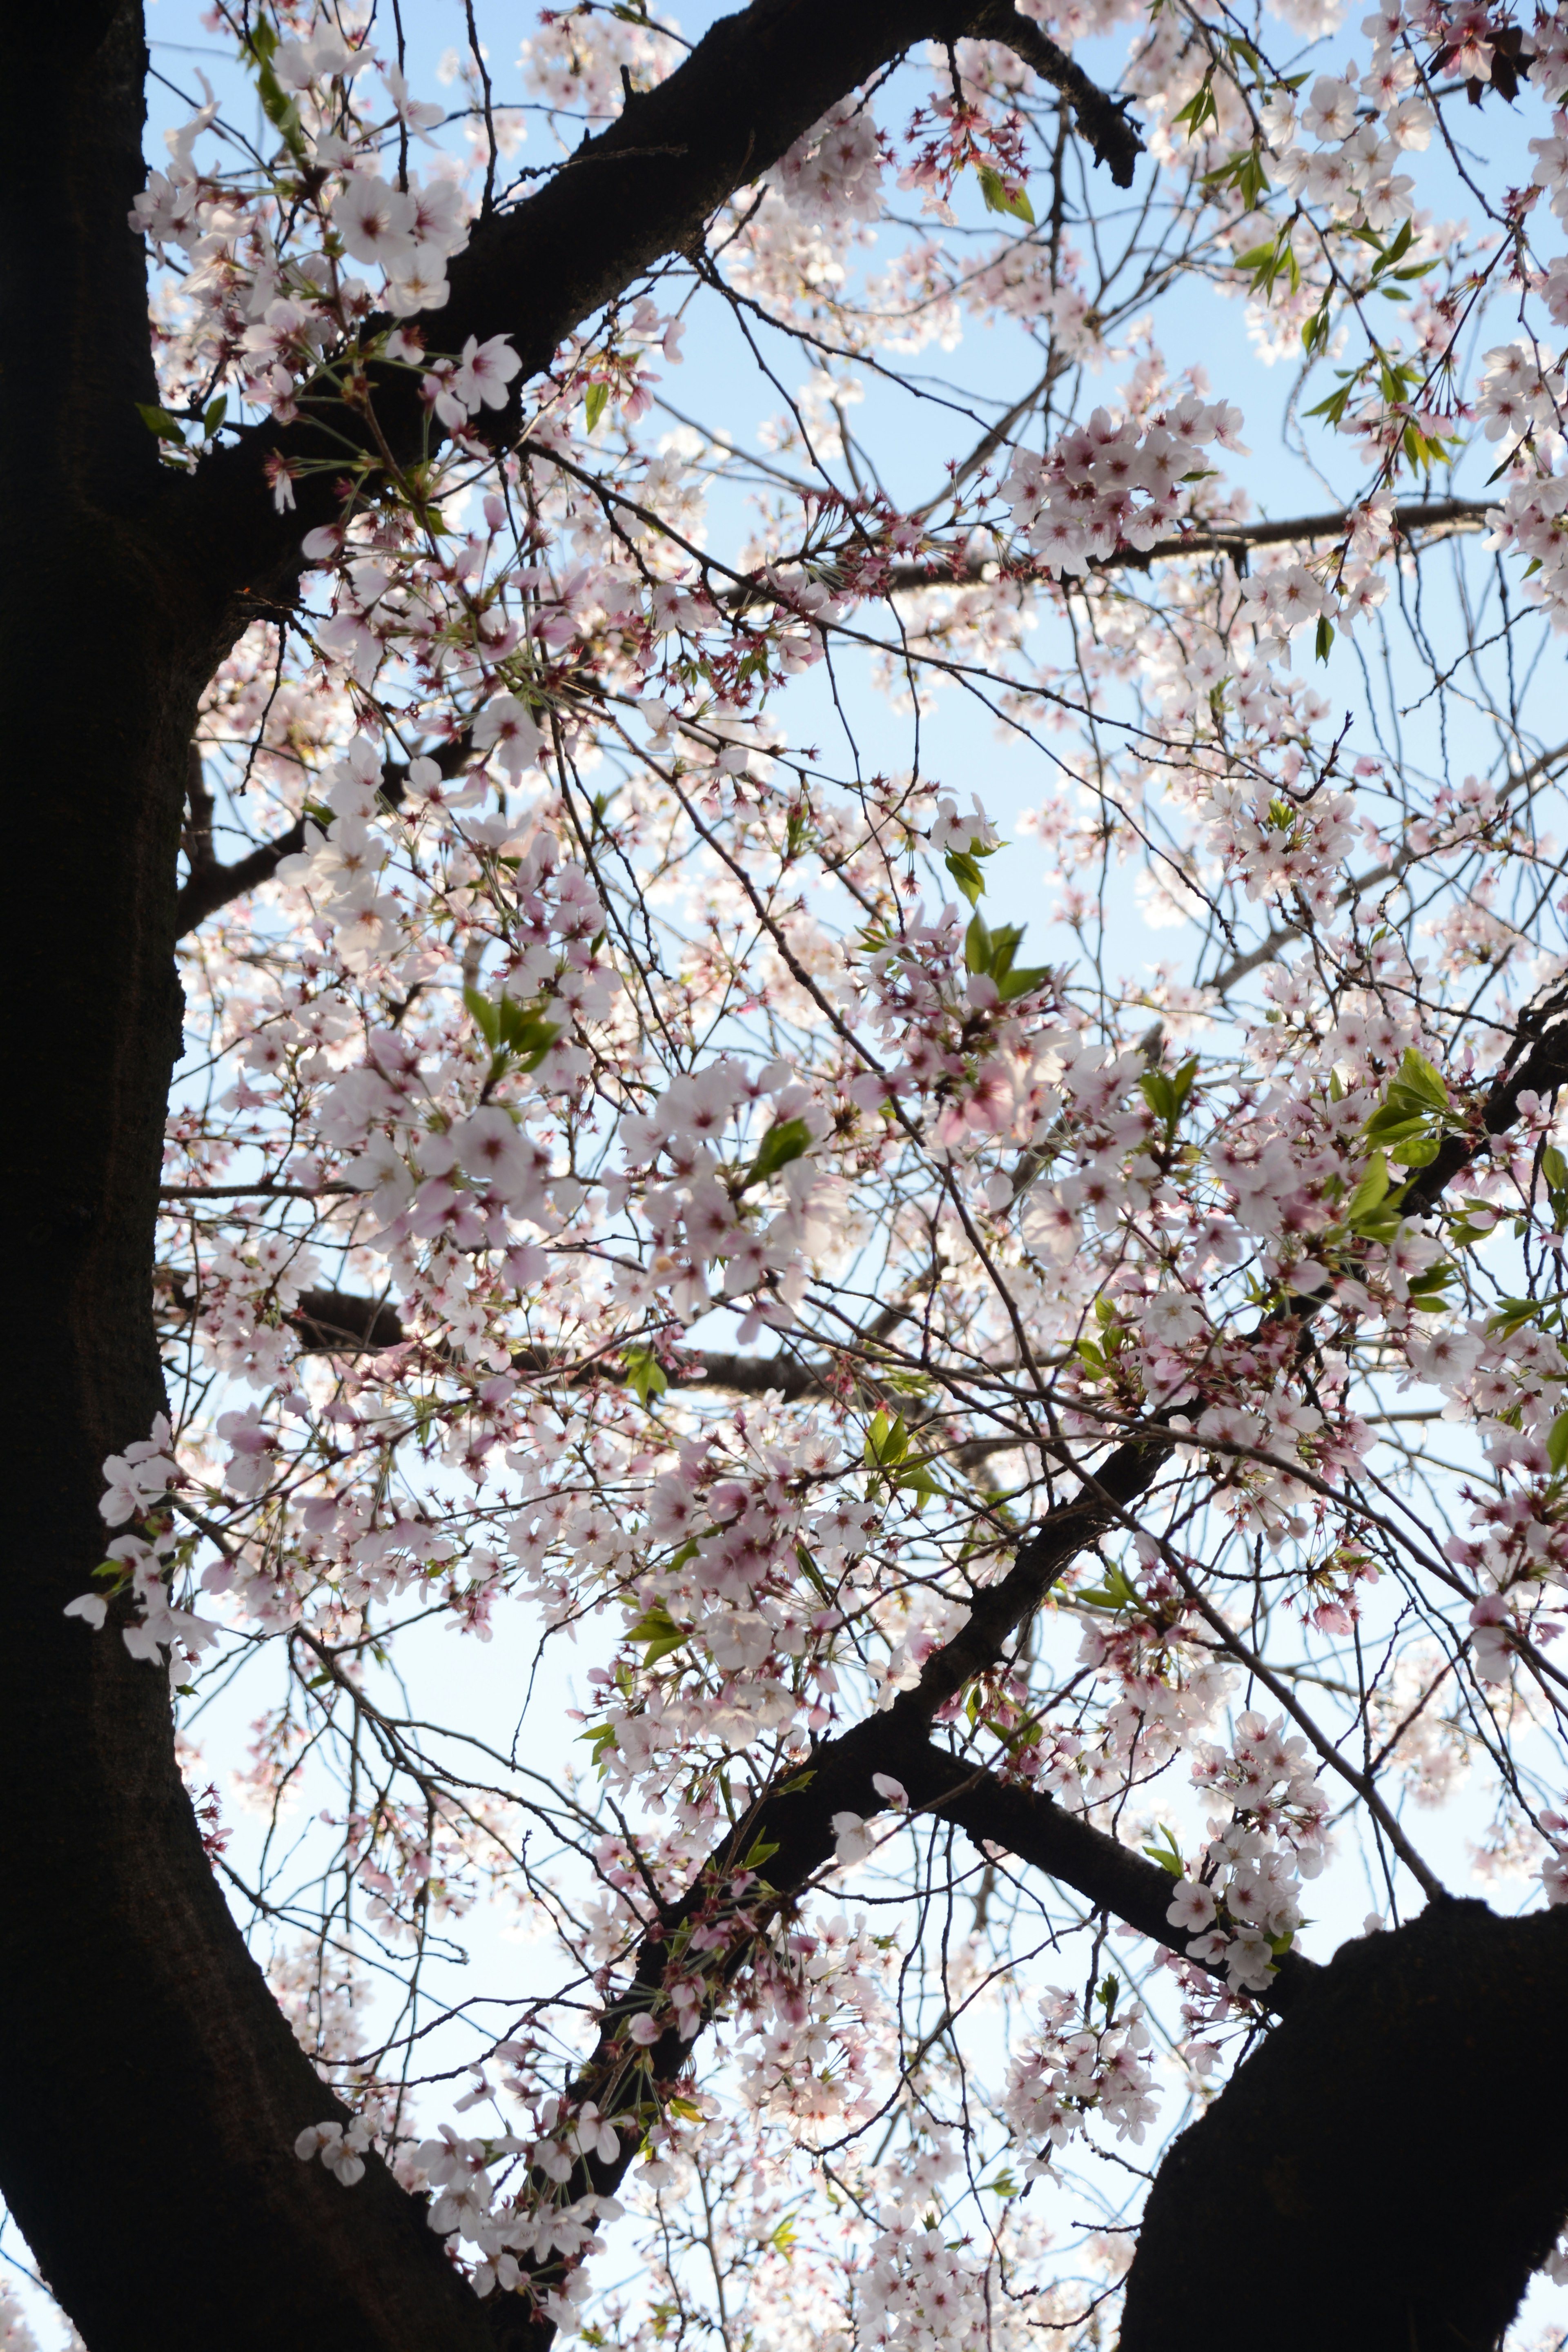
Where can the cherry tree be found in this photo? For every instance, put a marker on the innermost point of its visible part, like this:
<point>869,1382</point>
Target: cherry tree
<point>888,1552</point>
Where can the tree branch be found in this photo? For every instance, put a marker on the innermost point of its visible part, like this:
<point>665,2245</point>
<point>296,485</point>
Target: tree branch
<point>1110,1876</point>
<point>209,886</point>
<point>343,1323</point>
<point>1101,119</point>
<point>1386,2169</point>
<point>644,188</point>
<point>1443,516</point>
<point>796,1823</point>
<point>795,1818</point>
<point>1280,935</point>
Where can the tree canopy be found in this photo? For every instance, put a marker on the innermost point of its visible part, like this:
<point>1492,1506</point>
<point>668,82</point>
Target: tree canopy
<point>790,977</point>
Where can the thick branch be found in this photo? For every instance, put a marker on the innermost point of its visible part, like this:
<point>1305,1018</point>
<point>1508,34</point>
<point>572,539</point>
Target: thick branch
<point>343,1323</point>
<point>210,886</point>
<point>136,2024</point>
<point>644,188</point>
<point>1387,2169</point>
<point>1101,119</point>
<point>1109,1875</point>
<point>795,1821</point>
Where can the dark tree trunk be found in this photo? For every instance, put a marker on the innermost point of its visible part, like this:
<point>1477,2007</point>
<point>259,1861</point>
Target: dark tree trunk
<point>1387,2170</point>
<point>149,2089</point>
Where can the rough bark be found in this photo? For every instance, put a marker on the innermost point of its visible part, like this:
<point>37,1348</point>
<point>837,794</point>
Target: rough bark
<point>1387,2169</point>
<point>149,2088</point>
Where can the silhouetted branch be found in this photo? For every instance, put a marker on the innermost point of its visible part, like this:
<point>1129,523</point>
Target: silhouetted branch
<point>755,83</point>
<point>210,886</point>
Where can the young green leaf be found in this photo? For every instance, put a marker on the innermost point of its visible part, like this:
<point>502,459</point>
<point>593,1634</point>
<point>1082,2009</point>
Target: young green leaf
<point>1369,1193</point>
<point>159,421</point>
<point>964,869</point>
<point>784,1142</point>
<point>1000,199</point>
<point>644,1374</point>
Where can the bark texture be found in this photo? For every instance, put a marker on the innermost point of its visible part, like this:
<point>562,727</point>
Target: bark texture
<point>149,2088</point>
<point>1386,2171</point>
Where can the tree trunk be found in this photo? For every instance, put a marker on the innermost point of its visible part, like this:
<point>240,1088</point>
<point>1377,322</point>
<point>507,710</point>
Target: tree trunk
<point>1386,2171</point>
<point>152,2090</point>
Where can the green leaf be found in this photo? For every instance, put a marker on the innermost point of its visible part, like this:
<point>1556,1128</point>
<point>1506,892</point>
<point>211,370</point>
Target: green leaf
<point>1325,636</point>
<point>159,421</point>
<point>486,1017</point>
<point>1245,174</point>
<point>1379,1225</point>
<point>215,411</point>
<point>645,1373</point>
<point>1371,1191</point>
<point>994,188</point>
<point>886,1441</point>
<point>1395,1125</point>
<point>762,1850</point>
<point>1168,1854</point>
<point>1166,1092</point>
<point>601,1738</point>
<point>276,104</point>
<point>965,871</point>
<point>810,1570</point>
<point>657,1628</point>
<point>1557,1443</point>
<point>524,1033</point>
<point>1334,407</point>
<point>1399,248</point>
<point>992,952</point>
<point>594,403</point>
<point>1200,108</point>
<point>1114,1593</point>
<point>914,1479</point>
<point>785,1141</point>
<point>1417,1074</point>
<point>516,1035</point>
<point>1554,1168</point>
